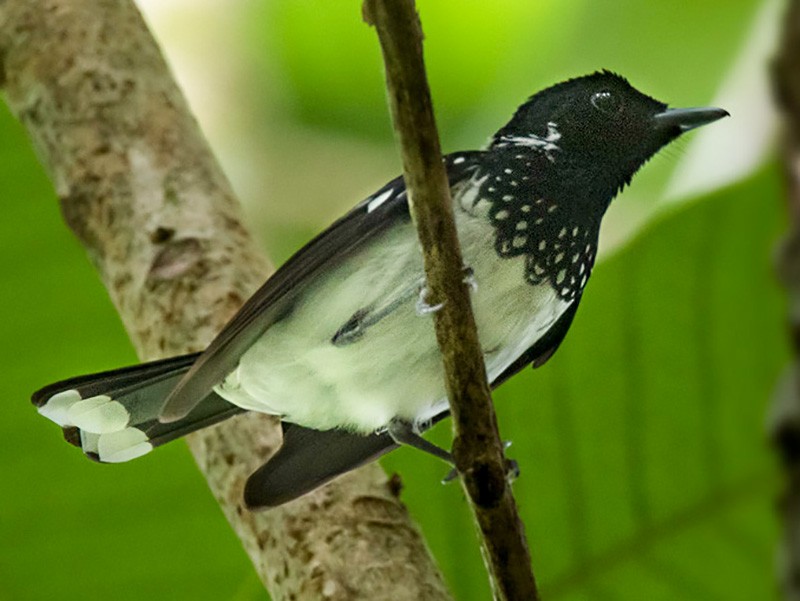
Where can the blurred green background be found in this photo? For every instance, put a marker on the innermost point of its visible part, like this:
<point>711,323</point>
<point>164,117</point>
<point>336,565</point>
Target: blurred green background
<point>645,472</point>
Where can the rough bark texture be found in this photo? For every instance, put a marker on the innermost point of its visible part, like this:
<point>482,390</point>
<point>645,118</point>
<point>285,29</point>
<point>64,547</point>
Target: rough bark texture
<point>785,419</point>
<point>477,447</point>
<point>139,186</point>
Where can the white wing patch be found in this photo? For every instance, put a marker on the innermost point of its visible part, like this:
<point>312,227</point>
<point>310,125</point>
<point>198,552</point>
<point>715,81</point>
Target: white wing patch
<point>374,203</point>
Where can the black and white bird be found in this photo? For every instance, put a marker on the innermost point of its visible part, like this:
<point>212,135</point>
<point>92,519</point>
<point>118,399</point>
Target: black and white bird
<point>339,342</point>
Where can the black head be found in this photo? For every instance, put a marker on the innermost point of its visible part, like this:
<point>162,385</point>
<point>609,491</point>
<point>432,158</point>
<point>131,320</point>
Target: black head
<point>558,163</point>
<point>601,123</point>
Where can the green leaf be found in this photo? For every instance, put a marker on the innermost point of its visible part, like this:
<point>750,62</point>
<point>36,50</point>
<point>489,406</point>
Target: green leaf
<point>645,473</point>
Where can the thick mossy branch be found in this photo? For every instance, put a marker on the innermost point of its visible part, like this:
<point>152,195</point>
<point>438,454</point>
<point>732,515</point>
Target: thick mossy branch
<point>477,447</point>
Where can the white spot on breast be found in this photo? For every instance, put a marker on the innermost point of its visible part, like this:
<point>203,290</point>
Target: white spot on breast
<point>458,160</point>
<point>507,170</point>
<point>559,257</point>
<point>542,244</point>
<point>562,233</point>
<point>501,214</point>
<point>519,241</point>
<point>522,225</point>
<point>561,276</point>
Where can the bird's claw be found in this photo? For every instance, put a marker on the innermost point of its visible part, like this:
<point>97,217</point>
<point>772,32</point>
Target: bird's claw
<point>450,476</point>
<point>469,279</point>
<point>422,306</point>
<point>512,470</point>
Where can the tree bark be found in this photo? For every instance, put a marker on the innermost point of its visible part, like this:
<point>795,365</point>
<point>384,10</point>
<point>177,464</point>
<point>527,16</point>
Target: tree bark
<point>140,188</point>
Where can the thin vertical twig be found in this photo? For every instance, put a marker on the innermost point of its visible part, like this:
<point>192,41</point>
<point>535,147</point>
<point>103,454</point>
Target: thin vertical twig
<point>477,446</point>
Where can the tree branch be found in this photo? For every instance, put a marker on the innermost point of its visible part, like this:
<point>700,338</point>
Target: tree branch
<point>139,186</point>
<point>477,447</point>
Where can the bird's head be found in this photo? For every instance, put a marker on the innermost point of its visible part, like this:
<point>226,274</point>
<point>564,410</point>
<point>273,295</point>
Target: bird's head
<point>599,123</point>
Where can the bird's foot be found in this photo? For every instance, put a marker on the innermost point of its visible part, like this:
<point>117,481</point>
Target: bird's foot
<point>512,469</point>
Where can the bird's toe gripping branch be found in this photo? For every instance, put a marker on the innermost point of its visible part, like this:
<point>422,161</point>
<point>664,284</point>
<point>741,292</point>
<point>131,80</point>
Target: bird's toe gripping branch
<point>425,308</point>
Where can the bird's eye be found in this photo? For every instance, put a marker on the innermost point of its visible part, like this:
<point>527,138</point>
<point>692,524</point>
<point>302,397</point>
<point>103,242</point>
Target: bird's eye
<point>605,102</point>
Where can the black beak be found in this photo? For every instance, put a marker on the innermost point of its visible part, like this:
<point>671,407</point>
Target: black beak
<point>686,119</point>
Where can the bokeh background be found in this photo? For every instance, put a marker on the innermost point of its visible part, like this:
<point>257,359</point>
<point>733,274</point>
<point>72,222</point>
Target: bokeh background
<point>645,468</point>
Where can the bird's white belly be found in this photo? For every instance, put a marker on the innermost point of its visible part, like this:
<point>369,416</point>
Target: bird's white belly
<point>395,369</point>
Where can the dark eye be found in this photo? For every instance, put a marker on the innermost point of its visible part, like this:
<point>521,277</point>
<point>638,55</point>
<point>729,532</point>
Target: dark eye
<point>605,102</point>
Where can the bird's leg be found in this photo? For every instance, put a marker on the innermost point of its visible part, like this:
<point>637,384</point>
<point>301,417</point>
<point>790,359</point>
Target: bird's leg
<point>403,432</point>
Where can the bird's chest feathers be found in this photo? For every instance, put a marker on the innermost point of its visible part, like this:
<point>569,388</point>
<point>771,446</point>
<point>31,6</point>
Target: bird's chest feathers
<point>536,217</point>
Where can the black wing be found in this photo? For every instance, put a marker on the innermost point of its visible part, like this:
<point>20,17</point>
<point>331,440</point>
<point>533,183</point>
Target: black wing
<point>368,219</point>
<point>307,460</point>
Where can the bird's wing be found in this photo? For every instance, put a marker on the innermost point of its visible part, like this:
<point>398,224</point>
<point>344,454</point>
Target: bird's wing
<point>308,459</point>
<point>274,299</point>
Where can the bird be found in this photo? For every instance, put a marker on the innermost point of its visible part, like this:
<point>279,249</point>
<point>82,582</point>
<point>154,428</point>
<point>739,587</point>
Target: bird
<point>339,341</point>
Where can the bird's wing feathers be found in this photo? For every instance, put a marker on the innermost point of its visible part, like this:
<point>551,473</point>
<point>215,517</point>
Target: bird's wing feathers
<point>308,459</point>
<point>273,300</point>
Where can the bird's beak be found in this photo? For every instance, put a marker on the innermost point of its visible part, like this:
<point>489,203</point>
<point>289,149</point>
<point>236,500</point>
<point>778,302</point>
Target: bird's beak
<point>686,119</point>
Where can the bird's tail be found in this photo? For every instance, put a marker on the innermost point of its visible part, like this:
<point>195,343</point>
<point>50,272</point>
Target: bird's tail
<point>113,415</point>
